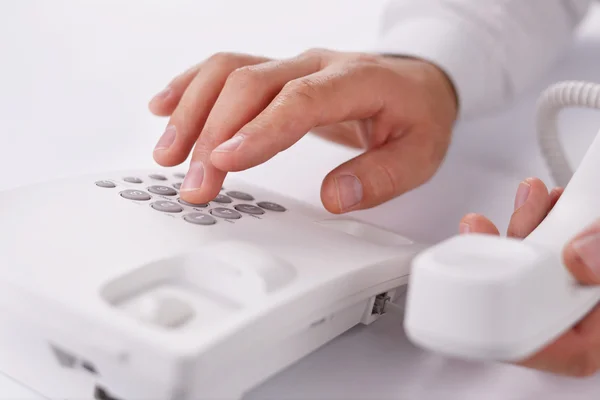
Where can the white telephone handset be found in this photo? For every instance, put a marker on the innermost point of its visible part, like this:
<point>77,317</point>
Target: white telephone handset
<point>492,298</point>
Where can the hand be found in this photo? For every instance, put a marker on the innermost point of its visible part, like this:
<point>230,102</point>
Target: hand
<point>238,111</point>
<point>577,352</point>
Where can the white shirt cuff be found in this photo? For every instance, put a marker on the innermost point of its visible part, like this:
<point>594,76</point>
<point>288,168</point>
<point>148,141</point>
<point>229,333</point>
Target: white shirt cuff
<point>452,47</point>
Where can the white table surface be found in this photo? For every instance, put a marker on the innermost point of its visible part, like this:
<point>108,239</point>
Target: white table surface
<point>75,79</point>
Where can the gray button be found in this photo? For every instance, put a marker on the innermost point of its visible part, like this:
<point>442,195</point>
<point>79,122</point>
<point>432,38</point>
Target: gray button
<point>221,198</point>
<point>223,212</point>
<point>158,177</point>
<point>177,185</point>
<point>267,205</point>
<point>164,190</point>
<point>240,195</point>
<point>185,203</point>
<point>131,194</point>
<point>200,219</point>
<point>132,179</point>
<point>105,184</point>
<point>179,175</point>
<point>250,209</point>
<point>167,206</point>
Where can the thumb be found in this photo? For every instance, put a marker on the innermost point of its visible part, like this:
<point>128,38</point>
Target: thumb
<point>384,172</point>
<point>582,255</point>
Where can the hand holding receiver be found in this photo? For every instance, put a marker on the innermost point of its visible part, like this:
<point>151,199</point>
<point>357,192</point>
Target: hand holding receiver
<point>484,297</point>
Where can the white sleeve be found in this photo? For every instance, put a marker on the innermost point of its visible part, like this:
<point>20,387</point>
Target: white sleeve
<point>490,49</point>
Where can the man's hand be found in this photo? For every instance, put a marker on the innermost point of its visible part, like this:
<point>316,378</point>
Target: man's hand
<point>577,352</point>
<point>238,111</point>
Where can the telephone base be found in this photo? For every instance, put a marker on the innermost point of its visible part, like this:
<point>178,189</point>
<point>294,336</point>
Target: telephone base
<point>155,298</point>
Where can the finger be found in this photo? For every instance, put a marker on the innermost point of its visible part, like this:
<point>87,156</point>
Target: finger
<point>163,103</point>
<point>189,116</point>
<point>247,91</point>
<point>353,134</point>
<point>576,353</point>
<point>532,204</point>
<point>475,223</point>
<point>381,173</point>
<point>326,97</point>
<point>555,196</point>
<point>582,255</point>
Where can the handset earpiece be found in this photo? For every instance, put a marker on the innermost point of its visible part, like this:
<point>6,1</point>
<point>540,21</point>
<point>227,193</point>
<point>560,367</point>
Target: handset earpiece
<point>485,297</point>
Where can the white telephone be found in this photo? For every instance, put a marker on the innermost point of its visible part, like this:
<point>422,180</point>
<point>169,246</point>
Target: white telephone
<point>159,299</point>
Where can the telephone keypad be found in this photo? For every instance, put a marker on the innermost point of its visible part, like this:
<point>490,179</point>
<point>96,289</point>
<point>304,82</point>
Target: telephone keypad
<point>268,205</point>
<point>240,195</point>
<point>162,190</point>
<point>249,209</point>
<point>221,198</point>
<point>193,216</point>
<point>226,213</point>
<point>167,206</point>
<point>105,184</point>
<point>138,195</point>
<point>198,218</point>
<point>185,203</point>
<point>132,179</point>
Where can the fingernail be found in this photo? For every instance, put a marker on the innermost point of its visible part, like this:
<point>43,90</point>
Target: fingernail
<point>588,249</point>
<point>163,94</point>
<point>349,191</point>
<point>230,145</point>
<point>194,177</point>
<point>167,138</point>
<point>522,194</point>
<point>464,228</point>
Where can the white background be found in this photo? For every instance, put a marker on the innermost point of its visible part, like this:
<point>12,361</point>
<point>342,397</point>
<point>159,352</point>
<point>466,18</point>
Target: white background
<point>74,83</point>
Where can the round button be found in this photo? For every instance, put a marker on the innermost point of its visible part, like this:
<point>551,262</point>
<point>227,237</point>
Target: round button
<point>131,194</point>
<point>167,206</point>
<point>132,179</point>
<point>221,198</point>
<point>179,175</point>
<point>200,219</point>
<point>240,195</point>
<point>267,205</point>
<point>227,213</point>
<point>249,209</point>
<point>185,203</point>
<point>164,190</point>
<point>177,185</point>
<point>158,177</point>
<point>105,184</point>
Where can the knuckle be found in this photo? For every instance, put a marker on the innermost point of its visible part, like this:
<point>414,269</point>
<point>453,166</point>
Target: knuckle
<point>388,185</point>
<point>316,52</point>
<point>222,58</point>
<point>318,56</point>
<point>244,77</point>
<point>368,58</point>
<point>363,68</point>
<point>305,90</point>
